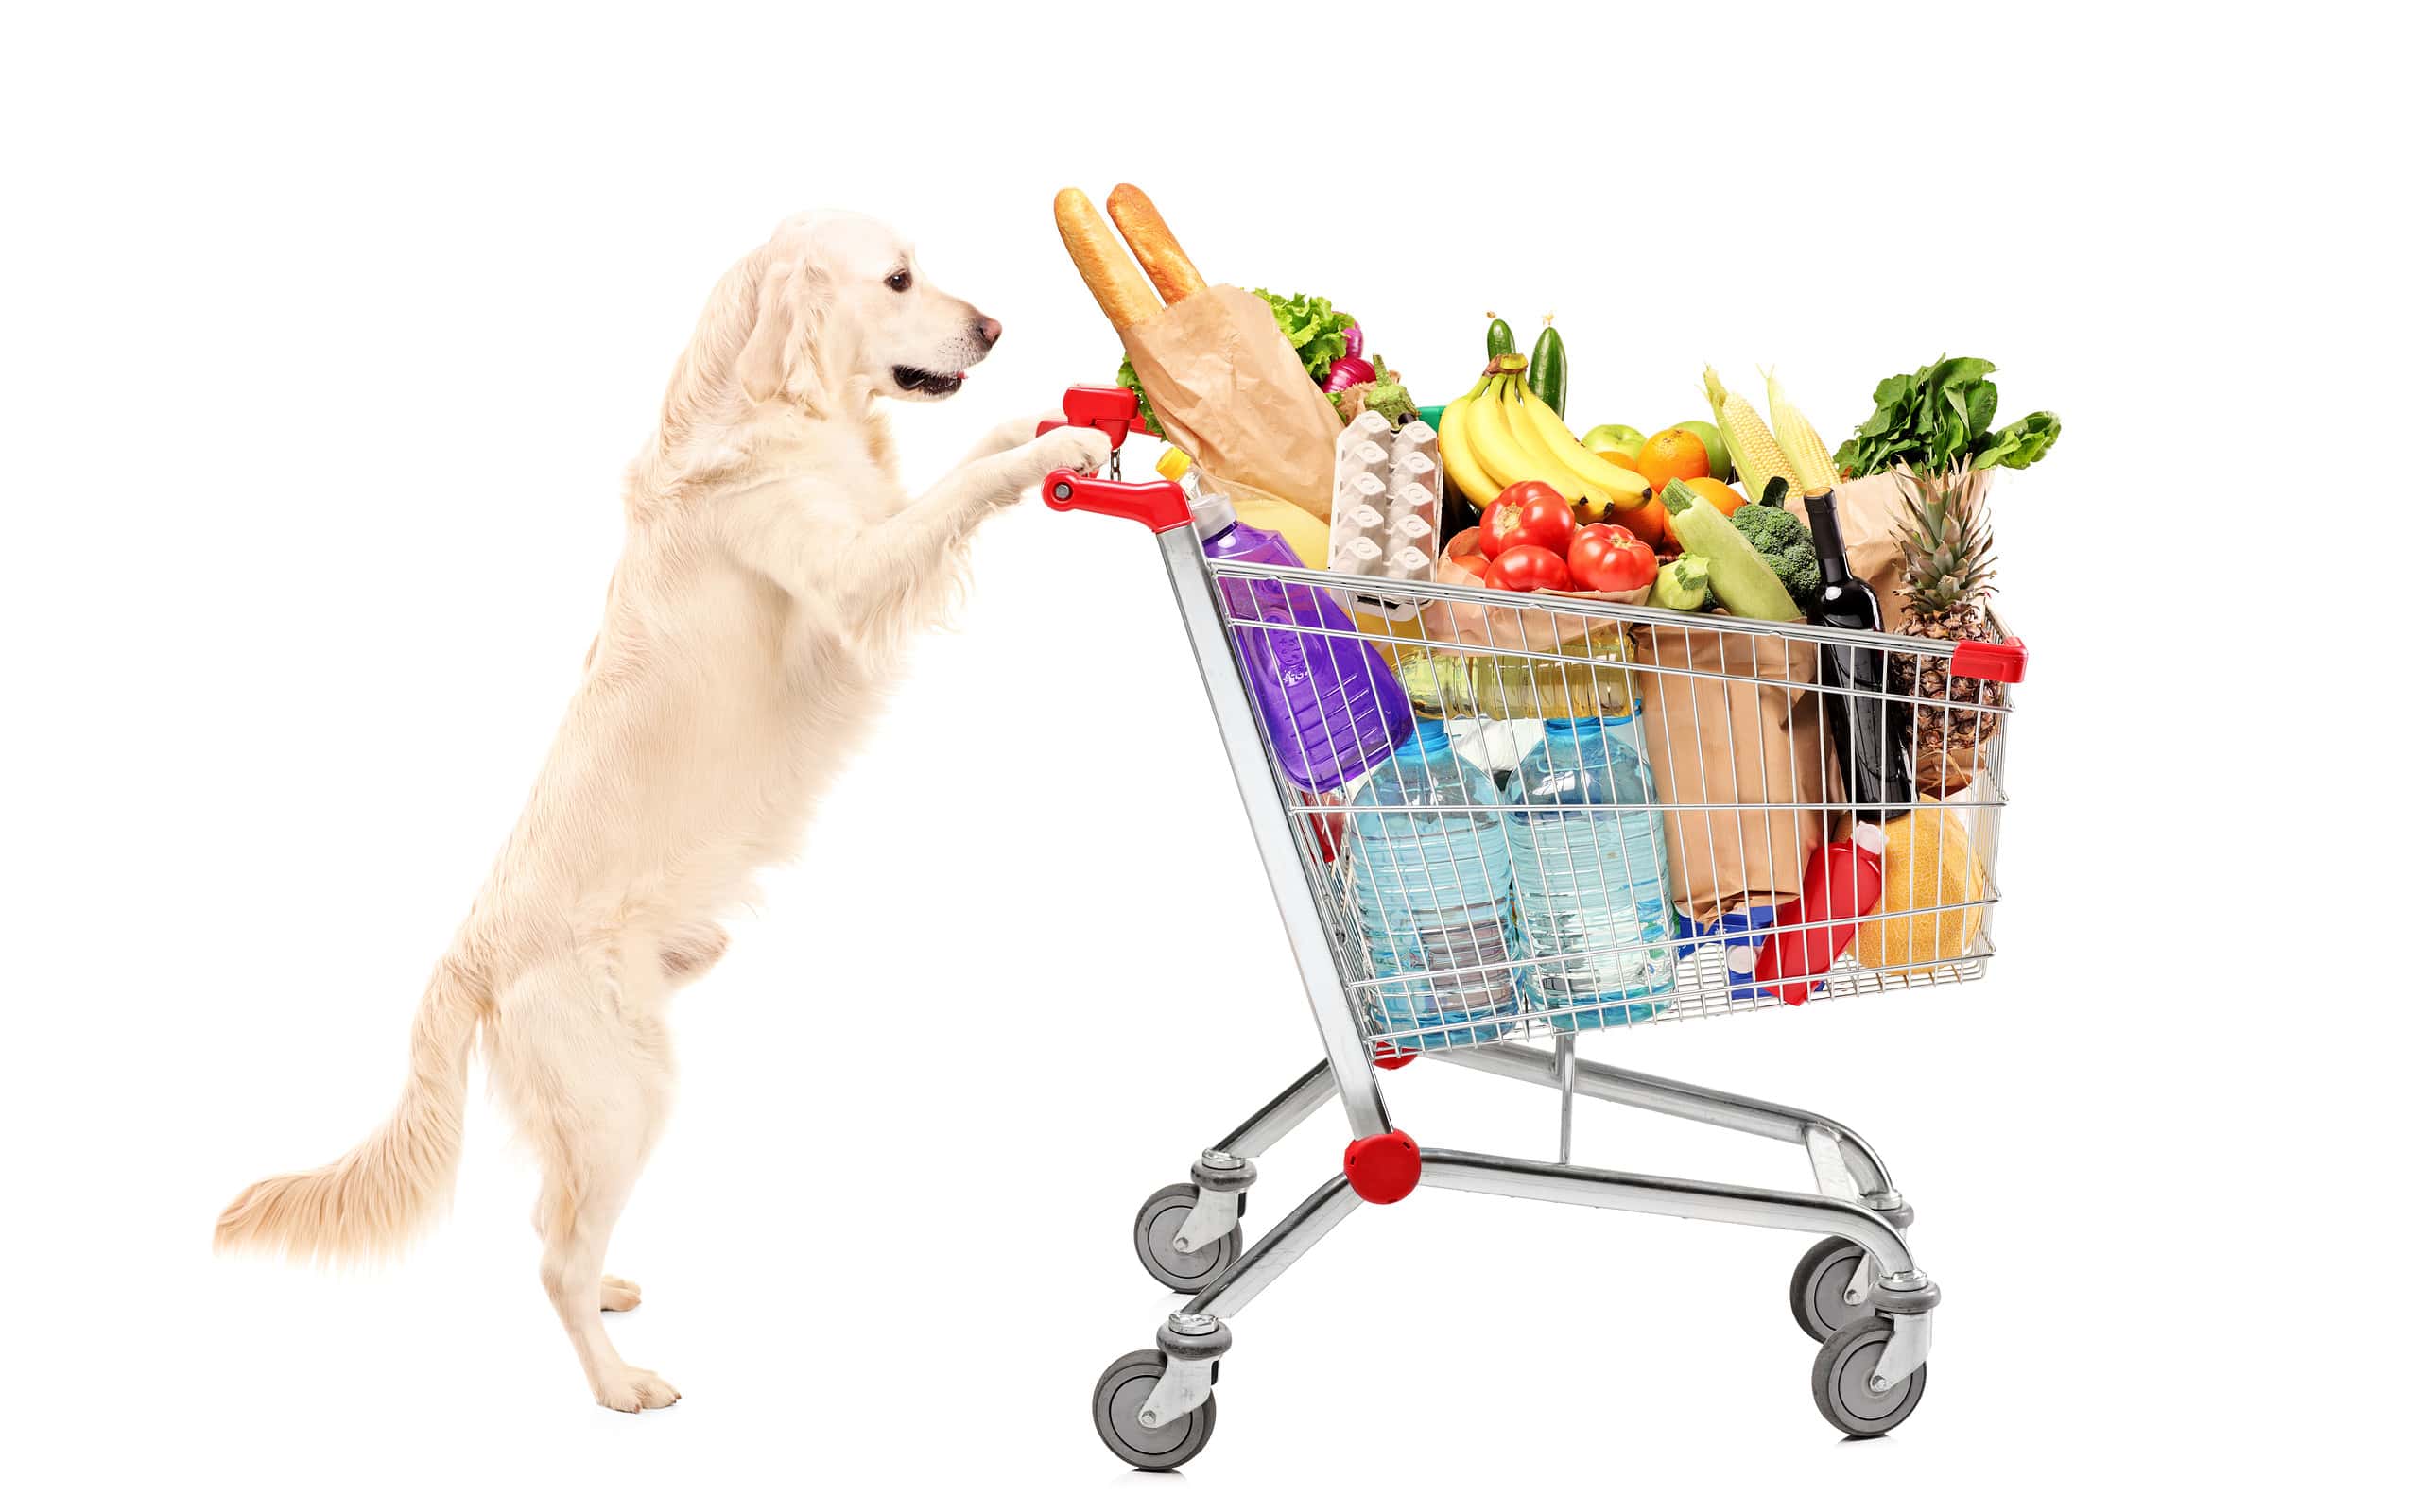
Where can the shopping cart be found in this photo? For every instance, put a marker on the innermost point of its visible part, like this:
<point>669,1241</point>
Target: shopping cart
<point>1858,1292</point>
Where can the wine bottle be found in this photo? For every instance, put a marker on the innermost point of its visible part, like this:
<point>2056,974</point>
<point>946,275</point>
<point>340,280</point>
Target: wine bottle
<point>1870,734</point>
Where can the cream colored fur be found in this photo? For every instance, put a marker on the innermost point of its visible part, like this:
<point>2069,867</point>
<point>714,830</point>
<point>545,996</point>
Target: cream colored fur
<point>773,572</point>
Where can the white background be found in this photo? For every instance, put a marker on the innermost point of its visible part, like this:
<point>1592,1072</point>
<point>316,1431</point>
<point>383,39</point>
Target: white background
<point>325,341</point>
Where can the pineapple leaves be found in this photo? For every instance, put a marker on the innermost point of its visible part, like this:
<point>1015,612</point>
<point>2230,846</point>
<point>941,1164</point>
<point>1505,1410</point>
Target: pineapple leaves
<point>1939,416</point>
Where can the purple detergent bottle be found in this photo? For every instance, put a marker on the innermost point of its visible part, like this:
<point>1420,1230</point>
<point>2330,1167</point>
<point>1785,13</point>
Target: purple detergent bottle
<point>1330,703</point>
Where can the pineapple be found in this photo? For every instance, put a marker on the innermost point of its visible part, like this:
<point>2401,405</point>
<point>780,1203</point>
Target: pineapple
<point>1946,541</point>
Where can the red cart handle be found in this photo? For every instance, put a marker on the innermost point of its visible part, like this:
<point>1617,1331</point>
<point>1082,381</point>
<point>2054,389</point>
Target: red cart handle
<point>1992,661</point>
<point>1159,504</point>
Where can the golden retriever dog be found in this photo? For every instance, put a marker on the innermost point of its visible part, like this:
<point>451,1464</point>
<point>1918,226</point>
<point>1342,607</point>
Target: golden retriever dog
<point>773,572</point>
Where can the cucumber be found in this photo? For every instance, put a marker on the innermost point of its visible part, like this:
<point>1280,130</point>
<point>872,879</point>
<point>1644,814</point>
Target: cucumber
<point>1550,372</point>
<point>1500,339</point>
<point>1741,579</point>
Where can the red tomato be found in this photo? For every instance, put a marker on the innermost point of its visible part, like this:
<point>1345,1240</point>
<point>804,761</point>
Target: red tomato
<point>1524,568</point>
<point>1610,559</point>
<point>1512,510</point>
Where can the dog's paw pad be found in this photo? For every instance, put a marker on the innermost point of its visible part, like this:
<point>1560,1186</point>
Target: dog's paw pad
<point>631,1389</point>
<point>618,1296</point>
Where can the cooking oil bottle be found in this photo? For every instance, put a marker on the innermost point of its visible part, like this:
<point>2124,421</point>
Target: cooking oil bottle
<point>1596,683</point>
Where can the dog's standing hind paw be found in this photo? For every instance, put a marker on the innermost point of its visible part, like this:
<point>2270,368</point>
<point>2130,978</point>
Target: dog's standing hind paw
<point>631,1389</point>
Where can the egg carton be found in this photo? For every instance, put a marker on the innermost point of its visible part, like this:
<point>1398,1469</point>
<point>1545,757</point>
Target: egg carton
<point>1382,523</point>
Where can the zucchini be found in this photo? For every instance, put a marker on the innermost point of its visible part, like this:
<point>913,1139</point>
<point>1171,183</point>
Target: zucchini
<point>1550,372</point>
<point>1500,339</point>
<point>1680,584</point>
<point>1741,579</point>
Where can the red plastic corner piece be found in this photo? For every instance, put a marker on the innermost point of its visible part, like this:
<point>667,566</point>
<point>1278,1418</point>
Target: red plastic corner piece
<point>1110,411</point>
<point>1992,661</point>
<point>1384,1167</point>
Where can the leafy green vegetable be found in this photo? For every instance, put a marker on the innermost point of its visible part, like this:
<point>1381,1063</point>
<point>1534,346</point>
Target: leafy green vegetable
<point>1940,415</point>
<point>1128,378</point>
<point>1314,328</point>
<point>2018,445</point>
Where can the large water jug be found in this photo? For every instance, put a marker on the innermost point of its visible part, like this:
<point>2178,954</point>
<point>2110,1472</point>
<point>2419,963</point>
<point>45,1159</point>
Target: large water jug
<point>1432,884</point>
<point>1588,876</point>
<point>1331,705</point>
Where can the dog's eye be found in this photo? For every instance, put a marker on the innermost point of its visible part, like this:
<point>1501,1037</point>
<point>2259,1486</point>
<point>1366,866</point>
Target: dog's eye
<point>899,281</point>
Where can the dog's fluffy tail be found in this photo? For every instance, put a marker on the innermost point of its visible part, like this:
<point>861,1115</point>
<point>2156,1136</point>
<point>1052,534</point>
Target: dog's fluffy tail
<point>375,1199</point>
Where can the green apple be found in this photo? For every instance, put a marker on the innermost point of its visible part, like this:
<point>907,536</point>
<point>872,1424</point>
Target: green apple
<point>1717,457</point>
<point>1614,438</point>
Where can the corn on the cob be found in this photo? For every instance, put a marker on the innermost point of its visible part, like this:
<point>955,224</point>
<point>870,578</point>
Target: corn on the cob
<point>1810,461</point>
<point>1754,452</point>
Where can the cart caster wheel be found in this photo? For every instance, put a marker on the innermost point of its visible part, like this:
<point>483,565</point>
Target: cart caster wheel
<point>1118,1399</point>
<point>1164,1213</point>
<point>1843,1371</point>
<point>1819,1289</point>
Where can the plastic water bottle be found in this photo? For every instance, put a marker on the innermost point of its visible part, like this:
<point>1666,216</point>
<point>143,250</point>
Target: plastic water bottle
<point>1433,886</point>
<point>1588,879</point>
<point>1330,703</point>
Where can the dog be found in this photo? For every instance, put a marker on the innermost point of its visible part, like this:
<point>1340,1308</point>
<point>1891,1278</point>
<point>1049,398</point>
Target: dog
<point>772,574</point>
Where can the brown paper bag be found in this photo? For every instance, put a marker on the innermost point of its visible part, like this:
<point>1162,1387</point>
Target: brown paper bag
<point>1510,631</point>
<point>1871,511</point>
<point>1712,740</point>
<point>1231,393</point>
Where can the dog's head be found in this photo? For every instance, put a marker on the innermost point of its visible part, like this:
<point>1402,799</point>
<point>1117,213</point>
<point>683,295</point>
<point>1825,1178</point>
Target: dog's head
<point>840,307</point>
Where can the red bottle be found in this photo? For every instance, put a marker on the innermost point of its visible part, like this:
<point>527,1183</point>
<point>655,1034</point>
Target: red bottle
<point>1844,883</point>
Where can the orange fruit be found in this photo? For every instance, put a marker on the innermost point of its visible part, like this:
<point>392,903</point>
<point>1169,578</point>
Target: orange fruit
<point>1621,458</point>
<point>1721,496</point>
<point>1648,523</point>
<point>1668,454</point>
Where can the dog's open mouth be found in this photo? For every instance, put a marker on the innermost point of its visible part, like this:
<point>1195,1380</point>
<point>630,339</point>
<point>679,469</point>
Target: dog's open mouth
<point>918,381</point>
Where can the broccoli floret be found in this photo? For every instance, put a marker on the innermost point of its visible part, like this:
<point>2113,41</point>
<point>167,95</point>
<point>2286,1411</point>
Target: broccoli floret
<point>1782,539</point>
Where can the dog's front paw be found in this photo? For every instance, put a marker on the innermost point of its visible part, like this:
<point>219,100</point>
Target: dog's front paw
<point>1070,446</point>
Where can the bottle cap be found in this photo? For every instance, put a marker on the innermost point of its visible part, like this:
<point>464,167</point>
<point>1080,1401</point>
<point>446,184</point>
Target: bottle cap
<point>1174,464</point>
<point>1212,513</point>
<point>1868,838</point>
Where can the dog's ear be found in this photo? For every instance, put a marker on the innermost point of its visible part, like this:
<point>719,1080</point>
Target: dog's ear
<point>783,356</point>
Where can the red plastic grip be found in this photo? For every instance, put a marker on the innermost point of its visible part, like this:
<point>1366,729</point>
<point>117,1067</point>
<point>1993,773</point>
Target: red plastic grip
<point>1158,503</point>
<point>1992,661</point>
<point>1384,1167</point>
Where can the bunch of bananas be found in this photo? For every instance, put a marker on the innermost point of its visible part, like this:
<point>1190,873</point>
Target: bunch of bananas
<point>1501,433</point>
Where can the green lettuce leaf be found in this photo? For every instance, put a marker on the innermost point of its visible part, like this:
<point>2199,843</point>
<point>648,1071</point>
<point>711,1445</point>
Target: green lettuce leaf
<point>1314,328</point>
<point>2018,445</point>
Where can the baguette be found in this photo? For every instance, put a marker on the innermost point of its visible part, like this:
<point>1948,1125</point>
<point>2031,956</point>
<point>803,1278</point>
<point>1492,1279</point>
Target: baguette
<point>1117,285</point>
<point>1138,220</point>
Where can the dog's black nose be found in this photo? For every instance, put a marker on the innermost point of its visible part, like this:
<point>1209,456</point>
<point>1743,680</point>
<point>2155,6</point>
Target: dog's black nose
<point>988,329</point>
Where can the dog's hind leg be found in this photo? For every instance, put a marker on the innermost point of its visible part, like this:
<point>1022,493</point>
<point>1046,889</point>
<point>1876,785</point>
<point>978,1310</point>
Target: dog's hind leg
<point>588,1071</point>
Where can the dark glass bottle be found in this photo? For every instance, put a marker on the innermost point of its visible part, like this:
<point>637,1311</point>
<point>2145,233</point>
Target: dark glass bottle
<point>1870,735</point>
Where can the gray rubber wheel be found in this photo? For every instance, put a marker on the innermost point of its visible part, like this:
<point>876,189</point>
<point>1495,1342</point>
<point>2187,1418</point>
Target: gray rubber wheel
<point>1163,1213</point>
<point>1842,1368</point>
<point>1819,1289</point>
<point>1123,1389</point>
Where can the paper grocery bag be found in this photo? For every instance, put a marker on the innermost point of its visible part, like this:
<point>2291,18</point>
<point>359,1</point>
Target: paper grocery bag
<point>1872,513</point>
<point>1551,627</point>
<point>1713,737</point>
<point>1231,393</point>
